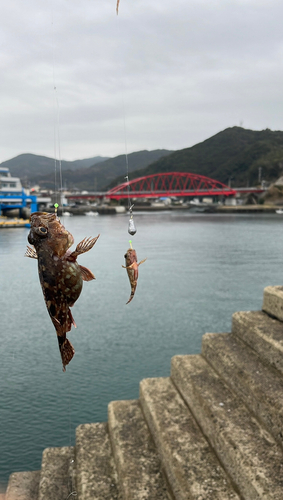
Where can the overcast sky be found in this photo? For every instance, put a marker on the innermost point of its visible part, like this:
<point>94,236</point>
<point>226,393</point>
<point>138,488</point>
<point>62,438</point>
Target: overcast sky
<point>79,81</point>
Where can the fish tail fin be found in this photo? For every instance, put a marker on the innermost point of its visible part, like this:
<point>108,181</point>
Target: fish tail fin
<point>67,352</point>
<point>133,289</point>
<point>131,297</point>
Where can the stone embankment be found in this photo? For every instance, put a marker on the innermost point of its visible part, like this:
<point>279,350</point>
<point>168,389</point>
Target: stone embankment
<point>211,431</point>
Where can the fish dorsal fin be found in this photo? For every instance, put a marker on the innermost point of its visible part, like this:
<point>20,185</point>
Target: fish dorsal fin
<point>87,275</point>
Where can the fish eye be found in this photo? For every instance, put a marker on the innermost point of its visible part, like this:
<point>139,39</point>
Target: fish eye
<point>43,230</point>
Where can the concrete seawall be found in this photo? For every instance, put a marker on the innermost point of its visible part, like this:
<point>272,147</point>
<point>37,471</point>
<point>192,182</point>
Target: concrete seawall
<point>213,430</point>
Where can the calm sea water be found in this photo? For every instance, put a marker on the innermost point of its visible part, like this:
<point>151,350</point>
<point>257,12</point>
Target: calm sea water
<point>199,270</point>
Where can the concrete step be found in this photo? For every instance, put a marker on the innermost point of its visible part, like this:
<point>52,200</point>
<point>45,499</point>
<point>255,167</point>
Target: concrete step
<point>136,457</point>
<point>260,387</point>
<point>262,333</point>
<point>273,301</point>
<point>23,486</point>
<point>57,474</point>
<point>191,466</point>
<point>96,477</point>
<point>248,452</point>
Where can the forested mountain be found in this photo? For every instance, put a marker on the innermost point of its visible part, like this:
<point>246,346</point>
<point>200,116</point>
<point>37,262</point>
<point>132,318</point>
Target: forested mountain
<point>235,153</point>
<point>31,168</point>
<point>91,174</point>
<point>98,177</point>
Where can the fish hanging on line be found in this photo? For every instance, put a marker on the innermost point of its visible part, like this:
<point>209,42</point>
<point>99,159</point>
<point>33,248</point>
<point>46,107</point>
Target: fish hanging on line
<point>60,275</point>
<point>117,6</point>
<point>132,267</point>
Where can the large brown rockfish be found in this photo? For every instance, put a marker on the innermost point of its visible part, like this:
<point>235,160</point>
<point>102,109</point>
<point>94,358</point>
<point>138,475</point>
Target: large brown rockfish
<point>60,275</point>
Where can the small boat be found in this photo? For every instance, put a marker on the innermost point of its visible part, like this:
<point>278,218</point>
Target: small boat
<point>91,214</point>
<point>67,214</point>
<point>279,211</point>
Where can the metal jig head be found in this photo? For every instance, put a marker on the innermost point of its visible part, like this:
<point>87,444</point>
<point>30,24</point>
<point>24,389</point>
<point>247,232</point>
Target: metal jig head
<point>131,227</point>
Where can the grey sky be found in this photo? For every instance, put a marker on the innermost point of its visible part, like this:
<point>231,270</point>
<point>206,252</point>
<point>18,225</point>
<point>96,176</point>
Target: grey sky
<point>176,72</point>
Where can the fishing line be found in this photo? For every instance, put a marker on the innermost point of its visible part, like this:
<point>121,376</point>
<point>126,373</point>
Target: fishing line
<point>71,485</point>
<point>58,200</point>
<point>57,142</point>
<point>72,494</point>
<point>131,226</point>
<point>126,152</point>
<point>57,148</point>
<point>57,136</point>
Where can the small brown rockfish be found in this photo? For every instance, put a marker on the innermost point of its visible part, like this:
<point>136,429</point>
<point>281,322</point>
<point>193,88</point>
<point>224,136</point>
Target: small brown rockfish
<point>60,275</point>
<point>132,267</point>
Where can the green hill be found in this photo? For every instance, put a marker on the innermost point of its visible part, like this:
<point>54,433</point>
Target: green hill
<point>97,176</point>
<point>32,168</point>
<point>234,153</point>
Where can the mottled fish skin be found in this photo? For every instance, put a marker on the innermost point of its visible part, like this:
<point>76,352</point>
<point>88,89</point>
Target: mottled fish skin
<point>60,275</point>
<point>132,267</point>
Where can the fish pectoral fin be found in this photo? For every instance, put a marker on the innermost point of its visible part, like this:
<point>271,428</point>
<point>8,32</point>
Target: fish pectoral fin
<point>84,246</point>
<point>142,261</point>
<point>87,275</point>
<point>31,252</point>
<point>131,266</point>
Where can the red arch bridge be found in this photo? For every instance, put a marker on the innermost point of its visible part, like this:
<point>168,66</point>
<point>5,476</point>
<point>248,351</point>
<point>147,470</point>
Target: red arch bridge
<point>170,184</point>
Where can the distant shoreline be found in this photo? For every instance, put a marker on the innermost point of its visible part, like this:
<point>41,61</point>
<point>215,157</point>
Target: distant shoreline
<point>115,210</point>
<point>247,209</point>
<point>220,209</point>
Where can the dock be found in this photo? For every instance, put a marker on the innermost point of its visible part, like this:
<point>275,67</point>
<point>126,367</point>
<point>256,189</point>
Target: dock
<point>9,223</point>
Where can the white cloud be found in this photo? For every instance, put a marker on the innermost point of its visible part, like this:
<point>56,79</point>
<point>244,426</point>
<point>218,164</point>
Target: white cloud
<point>178,71</point>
